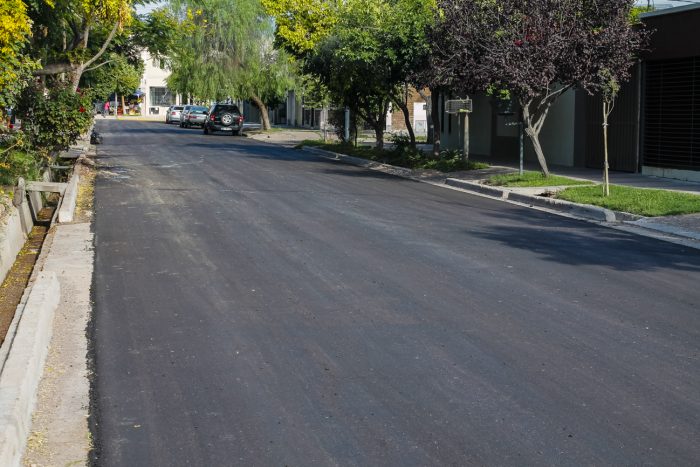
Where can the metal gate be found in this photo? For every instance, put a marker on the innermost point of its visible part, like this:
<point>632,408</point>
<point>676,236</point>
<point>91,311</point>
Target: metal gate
<point>672,114</point>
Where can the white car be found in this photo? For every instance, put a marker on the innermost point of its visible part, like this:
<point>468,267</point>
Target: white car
<point>173,114</point>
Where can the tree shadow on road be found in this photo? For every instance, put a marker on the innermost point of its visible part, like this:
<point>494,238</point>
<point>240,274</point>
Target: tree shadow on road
<point>581,244</point>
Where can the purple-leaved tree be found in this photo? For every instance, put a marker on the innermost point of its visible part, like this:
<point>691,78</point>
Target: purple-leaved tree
<point>534,50</point>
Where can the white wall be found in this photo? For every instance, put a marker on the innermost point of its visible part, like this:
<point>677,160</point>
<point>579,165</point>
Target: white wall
<point>153,76</point>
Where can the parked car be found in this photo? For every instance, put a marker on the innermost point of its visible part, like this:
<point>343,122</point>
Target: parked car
<point>224,117</point>
<point>195,115</point>
<point>173,114</point>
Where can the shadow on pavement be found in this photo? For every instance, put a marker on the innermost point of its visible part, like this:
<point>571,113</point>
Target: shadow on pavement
<point>593,246</point>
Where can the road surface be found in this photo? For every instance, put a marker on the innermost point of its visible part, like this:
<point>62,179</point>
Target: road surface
<point>256,305</point>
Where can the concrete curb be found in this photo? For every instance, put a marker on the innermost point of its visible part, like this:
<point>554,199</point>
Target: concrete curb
<point>70,196</point>
<point>23,367</point>
<point>633,223</point>
<point>574,209</point>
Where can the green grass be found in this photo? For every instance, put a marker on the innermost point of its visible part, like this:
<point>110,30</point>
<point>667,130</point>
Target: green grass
<point>533,179</point>
<point>635,200</point>
<point>412,159</point>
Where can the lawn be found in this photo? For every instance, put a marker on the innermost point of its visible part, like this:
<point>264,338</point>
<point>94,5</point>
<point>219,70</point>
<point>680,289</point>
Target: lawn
<point>635,200</point>
<point>533,179</point>
<point>449,161</point>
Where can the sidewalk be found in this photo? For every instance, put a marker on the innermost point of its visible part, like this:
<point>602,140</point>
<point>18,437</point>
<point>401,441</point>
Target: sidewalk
<point>687,226</point>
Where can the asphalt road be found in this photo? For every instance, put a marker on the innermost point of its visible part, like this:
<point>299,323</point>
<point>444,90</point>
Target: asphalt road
<point>256,305</point>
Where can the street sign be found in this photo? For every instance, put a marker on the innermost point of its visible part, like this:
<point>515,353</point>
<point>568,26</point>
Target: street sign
<point>456,106</point>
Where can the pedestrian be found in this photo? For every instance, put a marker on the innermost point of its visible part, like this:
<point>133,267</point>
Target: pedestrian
<point>105,110</point>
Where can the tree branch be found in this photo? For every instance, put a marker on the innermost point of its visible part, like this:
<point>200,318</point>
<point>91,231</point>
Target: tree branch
<point>104,46</point>
<point>55,69</point>
<point>97,66</point>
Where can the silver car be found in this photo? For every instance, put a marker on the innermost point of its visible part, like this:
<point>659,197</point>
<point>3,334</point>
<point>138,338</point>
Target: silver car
<point>173,115</point>
<point>195,115</point>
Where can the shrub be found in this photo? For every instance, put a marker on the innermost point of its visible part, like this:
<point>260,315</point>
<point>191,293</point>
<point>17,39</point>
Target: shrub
<point>54,119</point>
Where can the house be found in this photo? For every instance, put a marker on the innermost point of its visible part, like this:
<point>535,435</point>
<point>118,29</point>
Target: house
<point>654,129</point>
<point>156,96</point>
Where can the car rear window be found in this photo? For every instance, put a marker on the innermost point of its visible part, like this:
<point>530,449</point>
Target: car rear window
<point>227,108</point>
<point>199,109</point>
<point>177,107</point>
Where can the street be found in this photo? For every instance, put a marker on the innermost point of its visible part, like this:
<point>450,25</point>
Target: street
<point>257,305</point>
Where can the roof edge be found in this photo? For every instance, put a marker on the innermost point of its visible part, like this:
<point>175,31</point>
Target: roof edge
<point>670,11</point>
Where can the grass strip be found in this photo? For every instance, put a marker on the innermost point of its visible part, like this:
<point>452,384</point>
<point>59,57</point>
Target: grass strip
<point>643,202</point>
<point>533,179</point>
<point>449,161</point>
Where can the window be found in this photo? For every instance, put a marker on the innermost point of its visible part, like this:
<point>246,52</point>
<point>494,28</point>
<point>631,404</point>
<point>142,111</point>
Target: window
<point>162,97</point>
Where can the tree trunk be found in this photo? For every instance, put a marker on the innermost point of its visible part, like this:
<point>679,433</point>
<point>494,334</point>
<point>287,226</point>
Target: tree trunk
<point>428,115</point>
<point>123,106</point>
<point>407,119</point>
<point>534,135</point>
<point>606,165</point>
<point>263,111</point>
<point>435,114</point>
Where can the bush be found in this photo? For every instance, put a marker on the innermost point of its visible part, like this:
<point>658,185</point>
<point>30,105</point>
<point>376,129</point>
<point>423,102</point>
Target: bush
<point>17,160</point>
<point>54,119</point>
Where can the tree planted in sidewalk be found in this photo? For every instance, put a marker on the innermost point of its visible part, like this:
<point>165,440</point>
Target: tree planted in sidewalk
<point>366,56</point>
<point>535,50</point>
<point>226,50</point>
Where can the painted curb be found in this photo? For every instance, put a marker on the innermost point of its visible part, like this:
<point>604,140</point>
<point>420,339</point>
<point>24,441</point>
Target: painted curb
<point>70,196</point>
<point>23,367</point>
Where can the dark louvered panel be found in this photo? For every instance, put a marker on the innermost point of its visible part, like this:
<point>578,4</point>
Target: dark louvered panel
<point>672,114</point>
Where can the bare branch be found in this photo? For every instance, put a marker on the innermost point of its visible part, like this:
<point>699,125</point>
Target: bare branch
<point>97,66</point>
<point>104,46</point>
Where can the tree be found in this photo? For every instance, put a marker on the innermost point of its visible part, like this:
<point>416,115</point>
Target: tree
<point>70,36</point>
<point>535,49</point>
<point>302,24</point>
<point>616,47</point>
<point>15,64</point>
<point>368,56</point>
<point>228,52</point>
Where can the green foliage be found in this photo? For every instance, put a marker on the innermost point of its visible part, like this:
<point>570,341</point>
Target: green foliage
<point>533,179</point>
<point>53,119</point>
<point>373,48</point>
<point>225,49</point>
<point>635,200</point>
<point>118,75</point>
<point>15,163</point>
<point>402,155</point>
<point>302,24</point>
<point>15,65</point>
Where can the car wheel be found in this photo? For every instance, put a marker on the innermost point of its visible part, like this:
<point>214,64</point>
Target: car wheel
<point>206,130</point>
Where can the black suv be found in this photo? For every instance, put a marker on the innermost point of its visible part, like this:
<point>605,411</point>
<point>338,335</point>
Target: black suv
<point>224,117</point>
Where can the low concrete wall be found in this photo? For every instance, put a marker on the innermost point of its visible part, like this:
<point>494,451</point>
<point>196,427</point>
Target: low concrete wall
<point>15,225</point>
<point>23,366</point>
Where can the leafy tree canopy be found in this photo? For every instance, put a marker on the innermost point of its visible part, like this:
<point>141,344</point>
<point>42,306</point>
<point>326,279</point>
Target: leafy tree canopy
<point>15,64</point>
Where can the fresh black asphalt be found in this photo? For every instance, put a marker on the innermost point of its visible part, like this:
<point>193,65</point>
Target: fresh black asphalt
<point>260,306</point>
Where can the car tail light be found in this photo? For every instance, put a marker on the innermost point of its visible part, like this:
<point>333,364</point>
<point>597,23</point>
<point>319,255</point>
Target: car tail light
<point>173,113</point>
<point>12,126</point>
<point>212,117</point>
<point>240,119</point>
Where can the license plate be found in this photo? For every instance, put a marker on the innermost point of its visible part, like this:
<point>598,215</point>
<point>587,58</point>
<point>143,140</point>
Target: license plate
<point>226,128</point>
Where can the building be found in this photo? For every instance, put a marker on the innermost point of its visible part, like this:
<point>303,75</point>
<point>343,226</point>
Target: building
<point>654,129</point>
<point>156,96</point>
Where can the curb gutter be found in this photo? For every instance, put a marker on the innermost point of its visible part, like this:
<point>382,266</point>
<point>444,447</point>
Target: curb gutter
<point>23,366</point>
<point>607,217</point>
